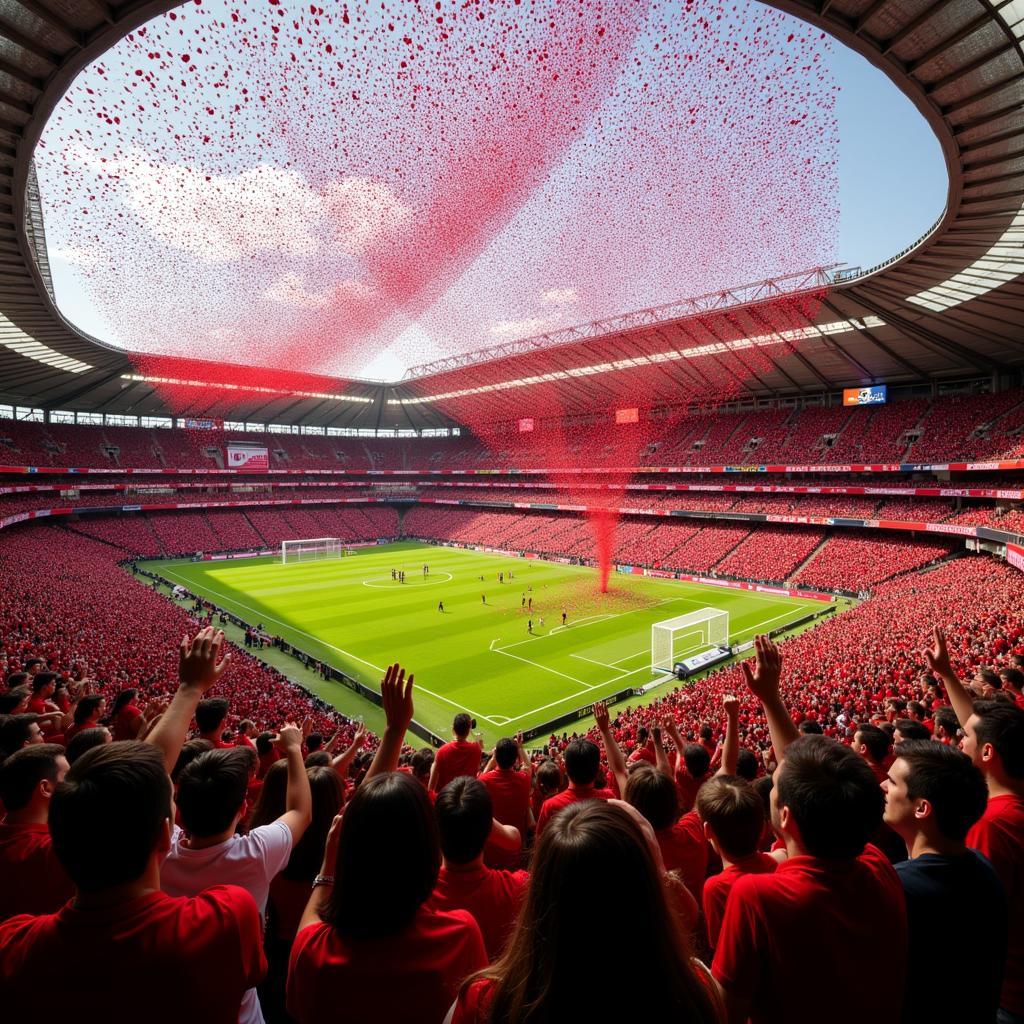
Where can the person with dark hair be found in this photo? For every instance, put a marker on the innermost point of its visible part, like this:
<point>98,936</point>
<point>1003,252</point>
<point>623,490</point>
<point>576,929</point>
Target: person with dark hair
<point>33,880</point>
<point>994,741</point>
<point>809,727</point>
<point>16,679</point>
<point>211,800</point>
<point>243,733</point>
<point>746,764</point>
<point>458,757</point>
<point>787,941</point>
<point>42,686</point>
<point>421,763</point>
<point>86,740</point>
<point>582,762</point>
<point>933,795</point>
<point>367,940</point>
<point>17,731</point>
<point>509,787</point>
<point>210,717</point>
<point>34,666</point>
<point>15,701</point>
<point>1013,683</point>
<point>111,825</point>
<point>538,976</point>
<point>909,729</point>
<point>947,728</point>
<point>125,717</point>
<point>465,819</point>
<point>189,751</point>
<point>733,818</point>
<point>266,753</point>
<point>645,747</point>
<point>873,745</point>
<point>87,714</point>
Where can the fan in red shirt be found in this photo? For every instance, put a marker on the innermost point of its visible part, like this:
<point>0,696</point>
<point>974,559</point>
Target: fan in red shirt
<point>111,826</point>
<point>210,717</point>
<point>459,757</point>
<point>788,940</point>
<point>125,717</point>
<point>367,940</point>
<point>510,796</point>
<point>582,763</point>
<point>733,818</point>
<point>465,818</point>
<point>994,741</point>
<point>645,748</point>
<point>33,880</point>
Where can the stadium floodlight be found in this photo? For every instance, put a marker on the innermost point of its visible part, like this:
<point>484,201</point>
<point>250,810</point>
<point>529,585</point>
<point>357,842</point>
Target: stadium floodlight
<point>674,639</point>
<point>312,549</point>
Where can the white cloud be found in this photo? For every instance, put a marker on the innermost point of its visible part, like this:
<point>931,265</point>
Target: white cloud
<point>560,296</point>
<point>291,290</point>
<point>520,328</point>
<point>360,211</point>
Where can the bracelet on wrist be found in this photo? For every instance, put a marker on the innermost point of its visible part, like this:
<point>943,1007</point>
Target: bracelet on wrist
<point>322,880</point>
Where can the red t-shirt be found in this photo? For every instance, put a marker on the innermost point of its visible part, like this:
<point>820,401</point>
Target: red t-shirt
<point>688,786</point>
<point>33,882</point>
<point>492,897</point>
<point>156,958</point>
<point>124,726</point>
<point>718,887</point>
<point>412,975</point>
<point>510,799</point>
<point>573,795</point>
<point>685,850</point>
<point>799,941</point>
<point>999,835</point>
<point>453,760</point>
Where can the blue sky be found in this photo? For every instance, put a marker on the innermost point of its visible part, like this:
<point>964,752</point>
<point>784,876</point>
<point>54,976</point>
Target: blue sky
<point>891,185</point>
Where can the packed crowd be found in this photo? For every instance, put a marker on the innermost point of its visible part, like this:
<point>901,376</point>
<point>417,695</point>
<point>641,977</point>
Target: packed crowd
<point>155,863</point>
<point>910,430</point>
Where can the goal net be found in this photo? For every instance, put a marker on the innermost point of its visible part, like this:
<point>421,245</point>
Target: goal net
<point>675,639</point>
<point>311,550</point>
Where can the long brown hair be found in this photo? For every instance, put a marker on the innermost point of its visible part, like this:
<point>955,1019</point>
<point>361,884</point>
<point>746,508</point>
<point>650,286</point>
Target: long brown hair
<point>594,880</point>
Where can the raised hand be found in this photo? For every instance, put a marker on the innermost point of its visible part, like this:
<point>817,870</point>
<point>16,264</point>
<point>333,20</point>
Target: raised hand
<point>200,664</point>
<point>731,705</point>
<point>763,681</point>
<point>396,692</point>
<point>290,738</point>
<point>937,654</point>
<point>360,735</point>
<point>601,716</point>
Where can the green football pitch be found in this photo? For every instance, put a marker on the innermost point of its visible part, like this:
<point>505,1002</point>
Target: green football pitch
<point>476,655</point>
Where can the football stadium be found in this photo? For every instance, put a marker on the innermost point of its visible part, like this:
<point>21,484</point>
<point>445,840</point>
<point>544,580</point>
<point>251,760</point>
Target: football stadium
<point>481,476</point>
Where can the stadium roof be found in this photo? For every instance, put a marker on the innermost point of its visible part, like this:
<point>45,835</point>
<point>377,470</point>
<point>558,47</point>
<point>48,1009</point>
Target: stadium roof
<point>949,307</point>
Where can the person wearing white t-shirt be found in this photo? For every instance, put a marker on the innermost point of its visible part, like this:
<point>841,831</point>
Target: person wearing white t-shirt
<point>211,802</point>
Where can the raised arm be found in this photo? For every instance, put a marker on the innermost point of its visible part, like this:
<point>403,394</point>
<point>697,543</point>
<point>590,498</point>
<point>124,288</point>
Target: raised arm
<point>660,756</point>
<point>937,657</point>
<point>341,763</point>
<point>200,665</point>
<point>731,745</point>
<point>763,683</point>
<point>323,885</point>
<point>616,761</point>
<point>396,692</point>
<point>523,759</point>
<point>298,805</point>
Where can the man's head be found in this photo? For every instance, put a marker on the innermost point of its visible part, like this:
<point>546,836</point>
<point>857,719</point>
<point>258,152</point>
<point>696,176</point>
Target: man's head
<point>89,708</point>
<point>871,743</point>
<point>264,743</point>
<point>314,741</point>
<point>34,666</point>
<point>17,731</point>
<point>85,740</point>
<point>582,760</point>
<point>696,759</point>
<point>110,818</point>
<point>211,791</point>
<point>933,790</point>
<point>506,753</point>
<point>15,700</point>
<point>994,740</point>
<point>746,764</point>
<point>464,815</point>
<point>461,725</point>
<point>809,727</point>
<point>18,679</point>
<point>1012,679</point>
<point>825,798</point>
<point>909,729</point>
<point>947,727</point>
<point>733,815</point>
<point>654,795</point>
<point>210,715</point>
<point>43,684</point>
<point>422,762</point>
<point>29,776</point>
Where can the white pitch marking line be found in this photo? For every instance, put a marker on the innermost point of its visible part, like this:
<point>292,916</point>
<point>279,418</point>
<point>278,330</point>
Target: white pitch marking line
<point>545,668</point>
<point>601,663</point>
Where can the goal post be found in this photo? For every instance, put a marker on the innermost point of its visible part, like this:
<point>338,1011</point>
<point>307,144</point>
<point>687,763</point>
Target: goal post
<point>674,639</point>
<point>311,549</point>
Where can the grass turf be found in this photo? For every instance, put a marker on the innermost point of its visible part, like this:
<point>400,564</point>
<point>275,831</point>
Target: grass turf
<point>475,656</point>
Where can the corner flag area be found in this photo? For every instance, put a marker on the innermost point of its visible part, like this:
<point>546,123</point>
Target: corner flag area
<point>479,654</point>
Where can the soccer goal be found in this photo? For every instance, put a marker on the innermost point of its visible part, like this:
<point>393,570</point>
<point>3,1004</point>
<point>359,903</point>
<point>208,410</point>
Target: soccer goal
<point>311,550</point>
<point>674,639</point>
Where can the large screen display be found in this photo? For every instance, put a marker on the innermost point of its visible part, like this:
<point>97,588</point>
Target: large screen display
<point>865,396</point>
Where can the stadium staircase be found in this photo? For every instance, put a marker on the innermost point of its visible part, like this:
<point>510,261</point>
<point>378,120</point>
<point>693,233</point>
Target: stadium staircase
<point>807,561</point>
